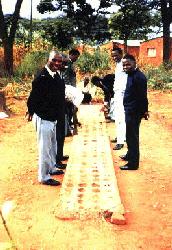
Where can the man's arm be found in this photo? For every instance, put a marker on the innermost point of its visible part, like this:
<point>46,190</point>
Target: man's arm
<point>29,117</point>
<point>141,94</point>
<point>34,98</point>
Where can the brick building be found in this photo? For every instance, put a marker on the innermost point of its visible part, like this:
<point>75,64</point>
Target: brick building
<point>133,47</point>
<point>151,51</point>
<point>148,52</point>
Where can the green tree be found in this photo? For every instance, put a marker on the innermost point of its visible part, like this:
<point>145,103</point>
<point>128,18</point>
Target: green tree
<point>82,15</point>
<point>133,20</point>
<point>166,10</point>
<point>7,35</point>
<point>97,33</point>
<point>59,31</point>
<point>164,7</point>
<point>22,34</point>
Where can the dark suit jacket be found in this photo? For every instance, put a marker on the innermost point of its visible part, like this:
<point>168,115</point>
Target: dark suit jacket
<point>70,74</point>
<point>47,97</point>
<point>135,96</point>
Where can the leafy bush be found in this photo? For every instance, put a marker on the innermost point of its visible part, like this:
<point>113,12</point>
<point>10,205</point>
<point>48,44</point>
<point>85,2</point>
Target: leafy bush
<point>31,63</point>
<point>90,62</point>
<point>159,77</point>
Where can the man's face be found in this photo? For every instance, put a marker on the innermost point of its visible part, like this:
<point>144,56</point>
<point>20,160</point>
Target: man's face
<point>64,63</point>
<point>128,65</point>
<point>56,63</point>
<point>116,56</point>
<point>74,58</point>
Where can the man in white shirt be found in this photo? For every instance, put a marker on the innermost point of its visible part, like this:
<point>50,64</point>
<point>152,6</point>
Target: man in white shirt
<point>119,89</point>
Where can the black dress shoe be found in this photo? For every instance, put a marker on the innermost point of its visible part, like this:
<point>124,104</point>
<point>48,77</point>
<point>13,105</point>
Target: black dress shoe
<point>60,165</point>
<point>51,182</point>
<point>69,134</point>
<point>112,120</point>
<point>114,141</point>
<point>118,146</point>
<point>57,172</point>
<point>79,124</point>
<point>75,131</point>
<point>128,167</point>
<point>65,158</point>
<point>124,157</point>
<point>108,117</point>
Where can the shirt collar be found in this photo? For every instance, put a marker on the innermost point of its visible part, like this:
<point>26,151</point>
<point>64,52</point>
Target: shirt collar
<point>50,72</point>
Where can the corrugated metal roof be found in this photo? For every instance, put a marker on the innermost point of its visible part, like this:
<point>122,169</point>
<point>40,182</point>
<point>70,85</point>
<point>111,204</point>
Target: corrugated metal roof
<point>129,42</point>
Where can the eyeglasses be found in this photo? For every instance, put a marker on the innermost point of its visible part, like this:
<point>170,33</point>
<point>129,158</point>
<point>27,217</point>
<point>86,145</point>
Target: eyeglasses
<point>56,60</point>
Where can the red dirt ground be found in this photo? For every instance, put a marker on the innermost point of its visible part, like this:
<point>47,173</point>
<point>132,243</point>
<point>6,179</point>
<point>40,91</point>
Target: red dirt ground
<point>146,193</point>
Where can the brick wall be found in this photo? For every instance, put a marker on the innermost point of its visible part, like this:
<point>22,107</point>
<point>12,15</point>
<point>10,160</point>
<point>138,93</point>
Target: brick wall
<point>154,44</point>
<point>134,50</point>
<point>151,52</point>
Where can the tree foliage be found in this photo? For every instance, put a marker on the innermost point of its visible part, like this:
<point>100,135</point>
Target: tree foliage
<point>165,9</point>
<point>133,20</point>
<point>70,6</point>
<point>100,31</point>
<point>81,14</point>
<point>59,31</point>
<point>7,35</point>
<point>22,34</point>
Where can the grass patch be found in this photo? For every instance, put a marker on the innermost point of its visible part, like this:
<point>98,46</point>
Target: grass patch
<point>31,64</point>
<point>91,62</point>
<point>159,77</point>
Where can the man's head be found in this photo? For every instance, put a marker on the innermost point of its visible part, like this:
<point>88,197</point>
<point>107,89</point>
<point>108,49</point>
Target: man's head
<point>74,54</point>
<point>117,54</point>
<point>96,81</point>
<point>65,60</point>
<point>55,61</point>
<point>129,63</point>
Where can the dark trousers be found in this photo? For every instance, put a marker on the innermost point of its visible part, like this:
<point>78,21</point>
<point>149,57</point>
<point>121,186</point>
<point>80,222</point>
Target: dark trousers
<point>69,111</point>
<point>69,115</point>
<point>87,98</point>
<point>72,120</point>
<point>60,137</point>
<point>132,138</point>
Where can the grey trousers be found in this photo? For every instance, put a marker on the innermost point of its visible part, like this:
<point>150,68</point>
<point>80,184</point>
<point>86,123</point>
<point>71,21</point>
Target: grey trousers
<point>47,146</point>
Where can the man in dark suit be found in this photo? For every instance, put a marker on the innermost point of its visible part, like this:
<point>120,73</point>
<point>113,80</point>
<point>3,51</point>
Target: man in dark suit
<point>60,128</point>
<point>136,107</point>
<point>106,84</point>
<point>46,108</point>
<point>70,79</point>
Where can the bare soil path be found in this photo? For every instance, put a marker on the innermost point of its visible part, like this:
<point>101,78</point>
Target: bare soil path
<point>145,193</point>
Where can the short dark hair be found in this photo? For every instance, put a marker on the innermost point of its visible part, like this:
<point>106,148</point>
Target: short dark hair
<point>74,52</point>
<point>95,80</point>
<point>109,78</point>
<point>129,57</point>
<point>120,51</point>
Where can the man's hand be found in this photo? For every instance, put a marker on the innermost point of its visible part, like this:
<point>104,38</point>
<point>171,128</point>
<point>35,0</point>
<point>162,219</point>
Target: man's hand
<point>28,116</point>
<point>75,109</point>
<point>146,115</point>
<point>102,109</point>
